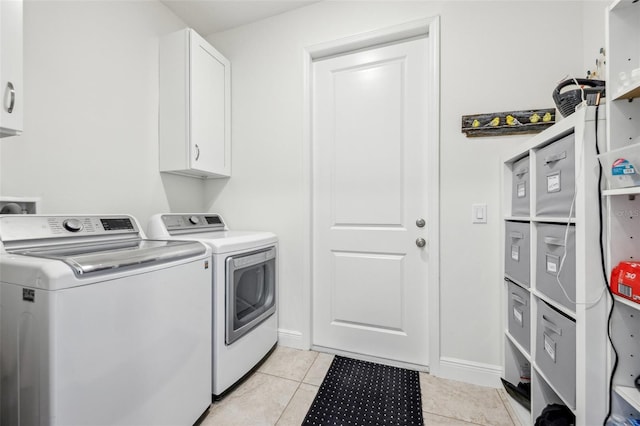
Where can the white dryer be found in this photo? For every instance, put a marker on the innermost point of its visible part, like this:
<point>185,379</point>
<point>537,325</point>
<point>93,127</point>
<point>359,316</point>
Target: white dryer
<point>245,327</point>
<point>100,326</point>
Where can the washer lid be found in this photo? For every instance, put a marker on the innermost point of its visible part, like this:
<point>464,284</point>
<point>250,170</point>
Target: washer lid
<point>87,259</point>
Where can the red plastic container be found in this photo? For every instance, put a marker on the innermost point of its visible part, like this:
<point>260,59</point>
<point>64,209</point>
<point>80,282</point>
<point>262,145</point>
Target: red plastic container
<point>625,280</point>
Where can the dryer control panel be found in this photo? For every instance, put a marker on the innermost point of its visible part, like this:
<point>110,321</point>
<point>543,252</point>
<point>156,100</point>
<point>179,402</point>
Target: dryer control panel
<point>176,223</point>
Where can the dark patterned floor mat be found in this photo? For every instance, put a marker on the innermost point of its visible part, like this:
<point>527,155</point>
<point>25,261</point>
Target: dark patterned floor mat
<point>358,393</point>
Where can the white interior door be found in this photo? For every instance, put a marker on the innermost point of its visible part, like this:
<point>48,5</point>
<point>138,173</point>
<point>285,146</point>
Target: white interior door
<point>369,191</point>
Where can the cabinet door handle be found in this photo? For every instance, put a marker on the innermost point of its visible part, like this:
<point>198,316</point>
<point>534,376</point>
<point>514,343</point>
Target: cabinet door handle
<point>12,97</point>
<point>197,152</point>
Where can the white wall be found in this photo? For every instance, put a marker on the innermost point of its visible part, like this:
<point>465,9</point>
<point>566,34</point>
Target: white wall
<point>495,56</point>
<point>593,33</point>
<point>90,139</point>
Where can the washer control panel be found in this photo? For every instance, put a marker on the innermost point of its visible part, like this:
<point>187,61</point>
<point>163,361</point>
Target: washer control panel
<point>72,225</point>
<point>30,227</point>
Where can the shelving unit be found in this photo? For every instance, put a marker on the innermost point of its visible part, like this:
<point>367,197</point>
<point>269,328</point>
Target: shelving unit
<point>587,318</point>
<point>623,204</point>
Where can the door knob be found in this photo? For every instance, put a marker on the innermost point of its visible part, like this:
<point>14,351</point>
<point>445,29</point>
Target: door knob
<point>420,242</point>
<point>420,223</point>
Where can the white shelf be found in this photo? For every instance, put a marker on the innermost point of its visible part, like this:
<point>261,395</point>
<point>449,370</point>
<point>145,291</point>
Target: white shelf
<point>621,4</point>
<point>630,395</point>
<point>518,346</point>
<point>630,92</point>
<point>568,312</point>
<point>635,190</point>
<point>627,302</point>
<point>515,281</point>
<point>543,219</point>
<point>548,382</point>
<point>518,218</point>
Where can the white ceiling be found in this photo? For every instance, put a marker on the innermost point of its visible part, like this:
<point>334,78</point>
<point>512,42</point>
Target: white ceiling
<point>211,16</point>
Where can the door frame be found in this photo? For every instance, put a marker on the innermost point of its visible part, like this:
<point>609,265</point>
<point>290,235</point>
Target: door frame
<point>429,27</point>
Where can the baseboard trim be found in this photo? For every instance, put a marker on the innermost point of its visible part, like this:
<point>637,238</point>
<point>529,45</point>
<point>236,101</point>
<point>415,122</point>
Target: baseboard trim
<point>292,339</point>
<point>470,372</point>
<point>362,357</point>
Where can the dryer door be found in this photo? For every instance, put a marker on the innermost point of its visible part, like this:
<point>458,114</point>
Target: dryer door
<point>251,291</point>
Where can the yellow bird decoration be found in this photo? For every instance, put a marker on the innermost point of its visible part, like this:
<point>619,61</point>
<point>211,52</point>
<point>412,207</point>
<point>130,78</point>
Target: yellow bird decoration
<point>475,123</point>
<point>494,122</point>
<point>547,117</point>
<point>534,118</point>
<point>512,121</point>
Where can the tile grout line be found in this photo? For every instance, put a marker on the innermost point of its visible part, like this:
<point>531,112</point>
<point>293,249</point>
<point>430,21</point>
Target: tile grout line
<point>497,394</point>
<point>288,403</point>
<point>452,418</point>
<point>297,388</point>
<point>507,406</point>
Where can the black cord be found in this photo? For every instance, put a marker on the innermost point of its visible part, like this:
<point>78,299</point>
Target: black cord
<point>606,277</point>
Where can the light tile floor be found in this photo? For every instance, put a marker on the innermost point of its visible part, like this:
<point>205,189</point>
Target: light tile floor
<point>281,391</point>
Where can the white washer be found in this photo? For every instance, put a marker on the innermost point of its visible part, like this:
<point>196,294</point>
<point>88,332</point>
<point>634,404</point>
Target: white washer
<point>100,326</point>
<point>245,327</point>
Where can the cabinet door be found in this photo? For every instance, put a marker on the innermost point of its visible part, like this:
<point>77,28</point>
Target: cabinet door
<point>209,121</point>
<point>11,68</point>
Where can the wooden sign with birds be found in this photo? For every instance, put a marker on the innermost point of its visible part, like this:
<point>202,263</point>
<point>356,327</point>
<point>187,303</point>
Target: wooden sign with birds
<point>508,123</point>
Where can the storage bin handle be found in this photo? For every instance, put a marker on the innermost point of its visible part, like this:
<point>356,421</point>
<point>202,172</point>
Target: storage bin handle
<point>553,241</point>
<point>521,172</point>
<point>517,235</point>
<point>518,299</point>
<point>555,157</point>
<point>551,326</point>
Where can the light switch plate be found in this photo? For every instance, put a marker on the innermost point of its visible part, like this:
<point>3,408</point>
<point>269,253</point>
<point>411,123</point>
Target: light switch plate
<point>479,213</point>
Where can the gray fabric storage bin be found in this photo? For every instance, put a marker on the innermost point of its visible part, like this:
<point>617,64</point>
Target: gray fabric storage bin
<point>556,350</point>
<point>517,250</point>
<point>550,249</point>
<point>520,178</point>
<point>519,324</point>
<point>555,178</point>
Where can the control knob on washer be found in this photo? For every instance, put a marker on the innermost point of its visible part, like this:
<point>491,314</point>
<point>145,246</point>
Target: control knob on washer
<point>72,225</point>
<point>194,220</point>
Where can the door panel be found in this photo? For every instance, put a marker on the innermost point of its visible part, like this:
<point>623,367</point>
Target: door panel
<point>374,278</point>
<point>208,109</point>
<point>370,129</point>
<point>369,94</point>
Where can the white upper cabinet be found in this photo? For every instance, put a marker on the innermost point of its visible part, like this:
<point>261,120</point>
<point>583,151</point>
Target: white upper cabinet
<point>195,119</point>
<point>11,87</point>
